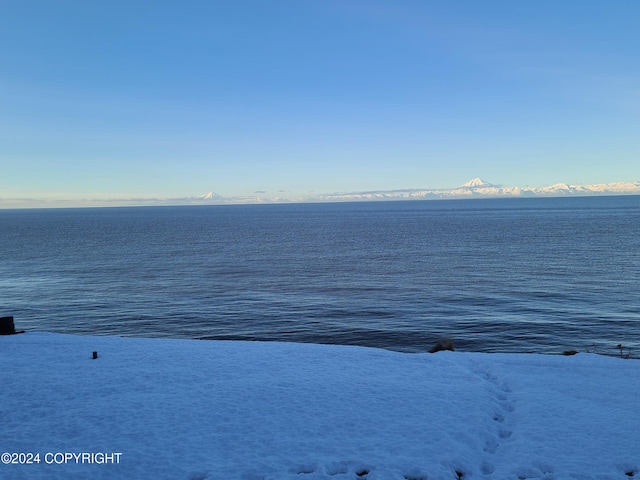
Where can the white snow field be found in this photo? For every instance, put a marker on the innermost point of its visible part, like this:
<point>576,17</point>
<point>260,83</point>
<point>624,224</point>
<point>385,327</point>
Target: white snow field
<point>194,410</point>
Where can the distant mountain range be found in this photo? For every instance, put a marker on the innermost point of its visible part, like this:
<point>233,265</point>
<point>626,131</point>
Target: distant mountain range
<point>477,188</point>
<point>474,188</point>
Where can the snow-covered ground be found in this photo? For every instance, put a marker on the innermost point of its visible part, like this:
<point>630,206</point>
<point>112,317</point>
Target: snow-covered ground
<point>187,409</point>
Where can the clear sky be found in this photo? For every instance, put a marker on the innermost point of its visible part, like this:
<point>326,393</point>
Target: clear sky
<point>177,98</point>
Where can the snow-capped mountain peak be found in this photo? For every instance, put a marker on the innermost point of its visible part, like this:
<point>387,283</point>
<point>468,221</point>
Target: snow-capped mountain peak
<point>207,196</point>
<point>476,183</point>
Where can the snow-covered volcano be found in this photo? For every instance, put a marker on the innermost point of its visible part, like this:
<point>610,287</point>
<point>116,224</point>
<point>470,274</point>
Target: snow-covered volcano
<point>477,183</point>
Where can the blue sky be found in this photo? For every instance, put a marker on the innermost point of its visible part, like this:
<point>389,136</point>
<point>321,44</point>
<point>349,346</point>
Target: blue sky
<point>125,99</point>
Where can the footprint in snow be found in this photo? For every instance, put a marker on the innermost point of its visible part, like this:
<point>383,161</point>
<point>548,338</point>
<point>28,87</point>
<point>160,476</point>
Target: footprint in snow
<point>503,405</point>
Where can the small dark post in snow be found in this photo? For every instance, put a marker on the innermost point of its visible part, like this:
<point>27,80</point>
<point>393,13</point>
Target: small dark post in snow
<point>7,326</point>
<point>95,355</point>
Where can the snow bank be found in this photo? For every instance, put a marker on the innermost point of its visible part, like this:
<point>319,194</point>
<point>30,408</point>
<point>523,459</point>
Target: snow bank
<point>188,410</point>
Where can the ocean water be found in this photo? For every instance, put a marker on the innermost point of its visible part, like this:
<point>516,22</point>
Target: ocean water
<point>496,275</point>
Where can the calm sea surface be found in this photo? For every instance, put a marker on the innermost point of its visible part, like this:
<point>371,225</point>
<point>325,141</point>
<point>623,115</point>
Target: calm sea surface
<point>508,275</point>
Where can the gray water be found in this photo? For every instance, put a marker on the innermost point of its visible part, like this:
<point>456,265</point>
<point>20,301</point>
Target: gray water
<point>507,275</point>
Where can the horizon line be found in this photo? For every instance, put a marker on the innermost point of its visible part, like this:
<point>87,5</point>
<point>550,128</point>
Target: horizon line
<point>476,188</point>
